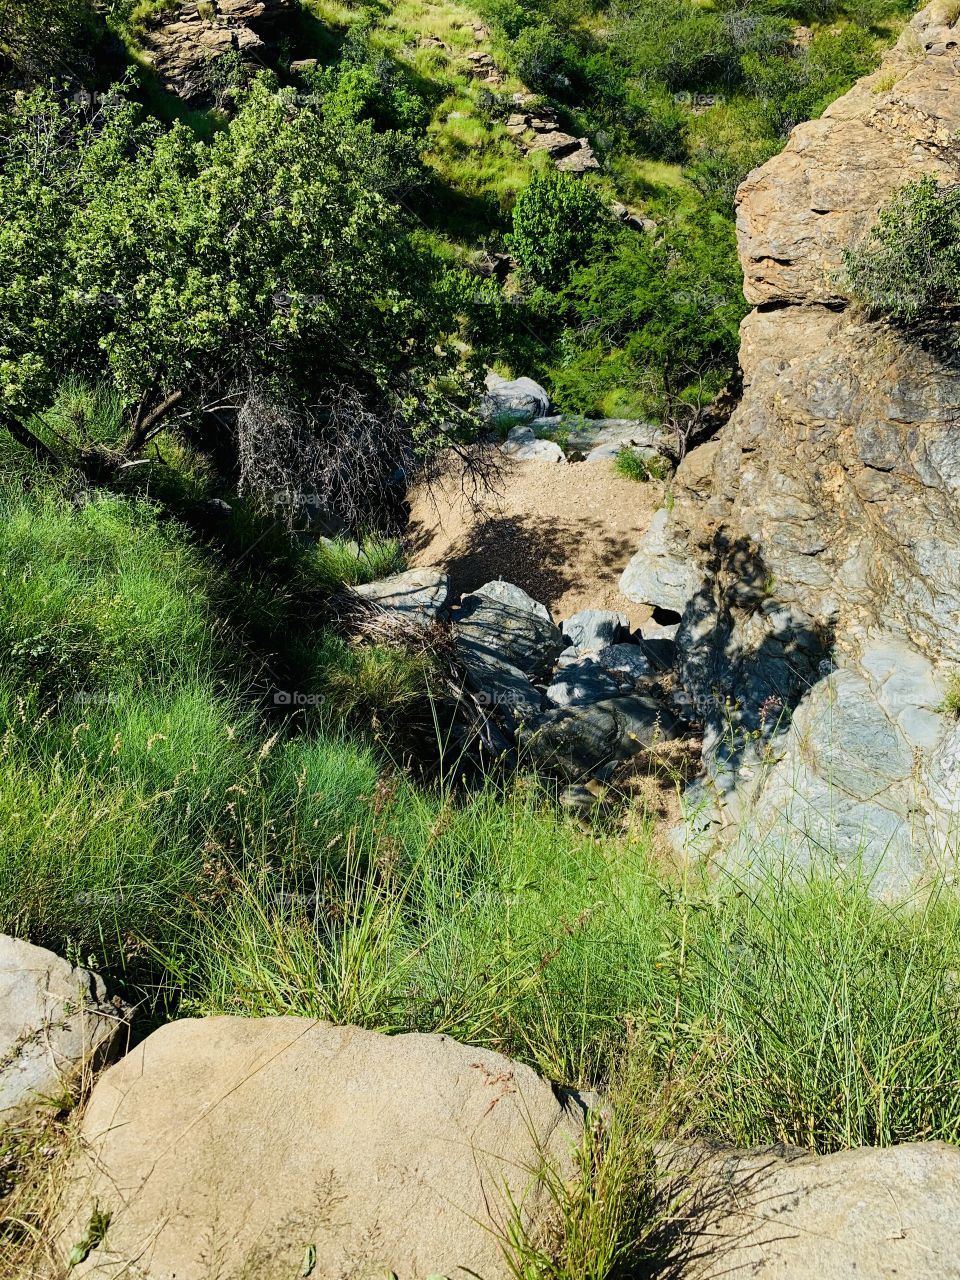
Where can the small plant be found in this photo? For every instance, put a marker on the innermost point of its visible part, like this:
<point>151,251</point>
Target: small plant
<point>909,266</point>
<point>641,467</point>
<point>951,699</point>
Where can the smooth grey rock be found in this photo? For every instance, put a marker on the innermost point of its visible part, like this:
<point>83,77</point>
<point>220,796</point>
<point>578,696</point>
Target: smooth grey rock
<point>661,572</point>
<point>418,596</point>
<point>508,402</point>
<point>499,623</point>
<point>593,629</point>
<point>582,681</point>
<point>282,1147</point>
<point>522,445</point>
<point>627,661</point>
<point>56,1022</point>
<point>581,740</point>
<point>877,1213</point>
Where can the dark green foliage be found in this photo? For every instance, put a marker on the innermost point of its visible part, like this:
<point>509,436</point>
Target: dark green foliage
<point>662,314</point>
<point>41,38</point>
<point>557,221</point>
<point>908,267</point>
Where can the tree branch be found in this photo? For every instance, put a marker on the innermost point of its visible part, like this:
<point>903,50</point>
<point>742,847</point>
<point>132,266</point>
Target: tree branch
<point>141,433</point>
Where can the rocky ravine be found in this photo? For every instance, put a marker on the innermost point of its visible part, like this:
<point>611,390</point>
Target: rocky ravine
<point>814,543</point>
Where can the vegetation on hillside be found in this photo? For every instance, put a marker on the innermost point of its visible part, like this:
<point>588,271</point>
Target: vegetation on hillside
<point>218,328</point>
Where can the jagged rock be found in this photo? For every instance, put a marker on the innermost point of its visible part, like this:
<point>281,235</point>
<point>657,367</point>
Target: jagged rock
<point>182,43</point>
<point>662,572</point>
<point>56,1023</point>
<point>582,160</point>
<point>878,1213</point>
<point>513,402</point>
<point>797,213</point>
<point>418,596</point>
<point>555,142</point>
<point>499,623</point>
<point>824,519</point>
<point>522,445</point>
<point>593,629</point>
<point>248,1146</point>
<point>589,739</point>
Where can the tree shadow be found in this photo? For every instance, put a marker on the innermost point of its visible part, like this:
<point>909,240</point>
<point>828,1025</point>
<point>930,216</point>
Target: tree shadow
<point>531,553</point>
<point>747,659</point>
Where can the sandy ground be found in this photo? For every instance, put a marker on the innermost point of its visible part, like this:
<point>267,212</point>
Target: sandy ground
<point>561,532</point>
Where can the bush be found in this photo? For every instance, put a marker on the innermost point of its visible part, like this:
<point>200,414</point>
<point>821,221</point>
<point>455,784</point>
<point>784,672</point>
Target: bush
<point>286,274</point>
<point>908,267</point>
<point>635,466</point>
<point>42,38</point>
<point>557,221</point>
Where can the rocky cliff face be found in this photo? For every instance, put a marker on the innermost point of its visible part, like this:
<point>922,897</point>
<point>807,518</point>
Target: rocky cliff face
<point>184,44</point>
<point>824,521</point>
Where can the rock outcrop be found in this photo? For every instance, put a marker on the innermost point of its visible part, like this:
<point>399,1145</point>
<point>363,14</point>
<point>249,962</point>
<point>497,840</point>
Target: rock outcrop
<point>819,548</point>
<point>182,44</point>
<point>56,1024</point>
<point>878,1213</point>
<point>283,1146</point>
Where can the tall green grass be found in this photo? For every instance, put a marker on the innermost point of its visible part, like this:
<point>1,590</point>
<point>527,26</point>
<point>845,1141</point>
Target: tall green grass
<point>211,859</point>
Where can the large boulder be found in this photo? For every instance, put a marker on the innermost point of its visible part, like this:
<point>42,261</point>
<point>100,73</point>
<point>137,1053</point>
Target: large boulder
<point>510,402</point>
<point>500,623</point>
<point>880,1214</point>
<point>56,1024</point>
<point>591,738</point>
<point>418,596</point>
<point>285,1146</point>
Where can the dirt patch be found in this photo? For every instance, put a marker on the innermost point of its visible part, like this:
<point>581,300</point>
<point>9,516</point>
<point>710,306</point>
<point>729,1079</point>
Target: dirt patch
<point>563,533</point>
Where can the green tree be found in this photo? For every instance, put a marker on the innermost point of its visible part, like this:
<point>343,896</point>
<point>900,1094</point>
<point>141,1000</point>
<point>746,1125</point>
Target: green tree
<point>263,274</point>
<point>557,220</point>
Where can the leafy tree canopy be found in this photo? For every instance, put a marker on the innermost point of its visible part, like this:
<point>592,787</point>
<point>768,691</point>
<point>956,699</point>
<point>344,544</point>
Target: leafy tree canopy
<point>270,258</point>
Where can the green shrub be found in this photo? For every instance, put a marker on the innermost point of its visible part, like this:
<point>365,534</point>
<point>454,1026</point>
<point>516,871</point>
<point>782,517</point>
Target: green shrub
<point>908,267</point>
<point>636,466</point>
<point>557,220</point>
